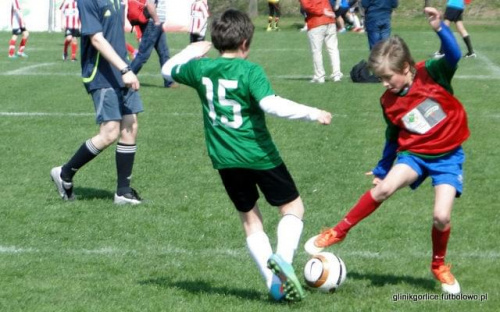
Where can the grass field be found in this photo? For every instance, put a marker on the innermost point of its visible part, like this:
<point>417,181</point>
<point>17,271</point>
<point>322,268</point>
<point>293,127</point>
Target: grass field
<point>184,249</point>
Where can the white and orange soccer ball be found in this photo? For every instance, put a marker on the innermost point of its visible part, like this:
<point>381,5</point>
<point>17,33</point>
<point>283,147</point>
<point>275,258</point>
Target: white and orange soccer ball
<point>325,272</point>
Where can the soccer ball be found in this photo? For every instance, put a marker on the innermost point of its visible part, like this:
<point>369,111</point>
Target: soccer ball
<point>325,272</point>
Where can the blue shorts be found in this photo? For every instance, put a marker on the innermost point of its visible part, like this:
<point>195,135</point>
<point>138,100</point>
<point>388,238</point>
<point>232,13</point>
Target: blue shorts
<point>442,170</point>
<point>112,104</point>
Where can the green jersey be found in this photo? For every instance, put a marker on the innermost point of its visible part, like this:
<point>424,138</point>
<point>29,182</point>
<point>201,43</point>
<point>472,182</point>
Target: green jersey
<point>230,90</point>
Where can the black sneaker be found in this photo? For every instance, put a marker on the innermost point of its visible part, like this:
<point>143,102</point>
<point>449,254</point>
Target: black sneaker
<point>65,189</point>
<point>128,198</point>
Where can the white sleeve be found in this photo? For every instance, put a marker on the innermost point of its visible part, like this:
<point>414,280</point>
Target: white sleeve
<point>278,106</point>
<point>180,58</point>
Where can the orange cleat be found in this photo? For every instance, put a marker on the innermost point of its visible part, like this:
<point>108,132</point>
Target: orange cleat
<point>449,284</point>
<point>317,243</point>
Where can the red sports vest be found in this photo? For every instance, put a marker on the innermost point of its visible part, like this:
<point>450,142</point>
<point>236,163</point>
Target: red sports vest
<point>431,120</point>
<point>135,13</point>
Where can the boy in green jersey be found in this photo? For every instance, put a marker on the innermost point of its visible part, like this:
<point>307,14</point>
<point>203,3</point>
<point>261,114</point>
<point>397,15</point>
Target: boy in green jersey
<point>235,94</point>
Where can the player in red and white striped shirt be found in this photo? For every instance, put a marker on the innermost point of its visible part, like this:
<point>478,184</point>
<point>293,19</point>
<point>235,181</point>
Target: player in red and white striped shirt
<point>199,18</point>
<point>70,19</point>
<point>18,27</point>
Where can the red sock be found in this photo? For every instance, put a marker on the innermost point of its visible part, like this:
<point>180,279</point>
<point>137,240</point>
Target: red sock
<point>66,44</point>
<point>12,47</point>
<point>138,33</point>
<point>22,45</point>
<point>73,50</point>
<point>365,206</point>
<point>130,48</point>
<point>439,245</point>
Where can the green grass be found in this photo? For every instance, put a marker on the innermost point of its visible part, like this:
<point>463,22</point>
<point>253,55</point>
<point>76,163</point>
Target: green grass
<point>184,249</point>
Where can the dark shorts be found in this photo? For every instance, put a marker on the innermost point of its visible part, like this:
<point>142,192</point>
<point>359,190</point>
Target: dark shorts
<point>276,184</point>
<point>453,14</point>
<point>195,38</point>
<point>112,104</point>
<point>274,9</point>
<point>72,32</point>
<point>341,12</point>
<point>18,31</point>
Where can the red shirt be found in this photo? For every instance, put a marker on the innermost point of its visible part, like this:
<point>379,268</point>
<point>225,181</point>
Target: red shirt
<point>431,120</point>
<point>315,12</point>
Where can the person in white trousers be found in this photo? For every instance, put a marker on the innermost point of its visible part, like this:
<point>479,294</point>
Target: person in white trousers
<point>321,26</point>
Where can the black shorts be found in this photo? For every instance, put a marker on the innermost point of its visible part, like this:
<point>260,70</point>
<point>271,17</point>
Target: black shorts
<point>18,31</point>
<point>196,38</point>
<point>241,184</point>
<point>341,12</point>
<point>453,15</point>
<point>72,32</point>
<point>274,9</point>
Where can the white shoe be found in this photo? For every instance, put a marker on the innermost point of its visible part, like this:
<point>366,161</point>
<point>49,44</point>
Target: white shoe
<point>453,289</point>
<point>449,283</point>
<point>65,189</point>
<point>128,198</point>
<point>438,55</point>
<point>336,77</point>
<point>311,247</point>
<point>317,80</point>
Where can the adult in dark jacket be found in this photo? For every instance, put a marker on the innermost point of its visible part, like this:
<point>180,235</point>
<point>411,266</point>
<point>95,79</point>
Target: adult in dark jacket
<point>378,19</point>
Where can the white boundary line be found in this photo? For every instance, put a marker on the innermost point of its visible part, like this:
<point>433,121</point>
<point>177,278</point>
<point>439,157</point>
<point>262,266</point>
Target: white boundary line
<point>27,69</point>
<point>492,66</point>
<point>468,77</point>
<point>111,251</point>
<point>35,114</point>
<point>42,114</point>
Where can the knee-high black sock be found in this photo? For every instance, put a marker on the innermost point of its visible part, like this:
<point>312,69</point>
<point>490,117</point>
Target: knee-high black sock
<point>83,155</point>
<point>468,44</point>
<point>125,154</point>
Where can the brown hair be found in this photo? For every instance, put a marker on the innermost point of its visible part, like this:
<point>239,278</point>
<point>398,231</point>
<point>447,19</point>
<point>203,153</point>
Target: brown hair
<point>392,53</point>
<point>230,30</point>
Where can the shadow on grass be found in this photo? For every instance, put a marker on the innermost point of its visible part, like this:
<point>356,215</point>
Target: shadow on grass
<point>380,280</point>
<point>158,86</point>
<point>87,193</point>
<point>203,287</point>
<point>150,85</point>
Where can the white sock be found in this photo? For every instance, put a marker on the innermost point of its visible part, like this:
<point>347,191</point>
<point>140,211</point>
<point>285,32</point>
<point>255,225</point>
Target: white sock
<point>260,249</point>
<point>289,231</point>
<point>356,23</point>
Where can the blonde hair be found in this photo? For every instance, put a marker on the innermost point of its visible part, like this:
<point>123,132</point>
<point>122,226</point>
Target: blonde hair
<point>392,53</point>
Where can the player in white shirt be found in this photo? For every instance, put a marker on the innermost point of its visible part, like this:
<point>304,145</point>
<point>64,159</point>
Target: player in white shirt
<point>70,19</point>
<point>199,19</point>
<point>18,27</point>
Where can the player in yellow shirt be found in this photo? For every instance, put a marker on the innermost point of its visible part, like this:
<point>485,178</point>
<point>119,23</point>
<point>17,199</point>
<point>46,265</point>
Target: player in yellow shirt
<point>274,14</point>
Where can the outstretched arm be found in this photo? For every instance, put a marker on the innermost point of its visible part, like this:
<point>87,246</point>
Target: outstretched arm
<point>450,46</point>
<point>280,107</point>
<point>194,50</point>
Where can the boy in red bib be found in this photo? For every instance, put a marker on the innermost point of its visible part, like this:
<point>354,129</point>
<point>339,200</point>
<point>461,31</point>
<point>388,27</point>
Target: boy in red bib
<point>426,126</point>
